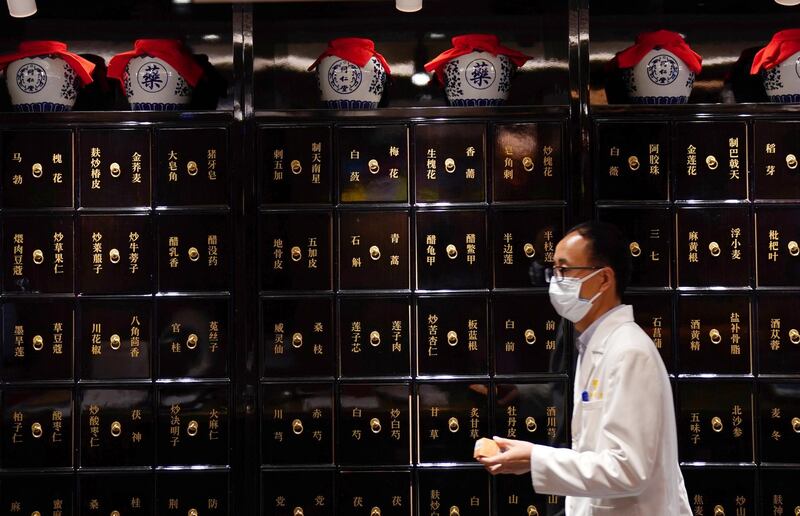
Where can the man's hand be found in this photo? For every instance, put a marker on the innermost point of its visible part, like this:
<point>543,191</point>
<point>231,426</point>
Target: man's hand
<point>514,457</point>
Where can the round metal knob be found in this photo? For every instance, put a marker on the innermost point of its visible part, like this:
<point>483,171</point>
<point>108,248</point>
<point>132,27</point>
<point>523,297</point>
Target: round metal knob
<point>38,256</point>
<point>116,429</point>
<point>794,336</point>
<point>114,256</point>
<point>374,166</point>
<point>192,428</point>
<point>711,162</point>
<point>452,338</point>
<point>297,339</point>
<point>375,511</point>
<point>533,511</point>
<point>636,250</point>
<point>37,430</point>
<point>375,425</point>
<point>374,338</point>
<point>527,164</point>
<point>716,424</point>
<point>38,342</point>
<point>719,510</point>
<point>115,513</point>
<point>297,255</point>
<point>715,336</point>
<point>454,511</point>
<point>192,512</point>
<point>452,252</point>
<point>374,252</point>
<point>297,427</point>
<point>797,511</point>
<point>194,254</point>
<point>36,513</point>
<point>450,165</point>
<point>529,250</point>
<point>796,425</point>
<point>530,336</point>
<point>115,342</point>
<point>115,169</point>
<point>791,161</point>
<point>714,249</point>
<point>530,424</point>
<point>192,340</point>
<point>452,424</point>
<point>633,163</point>
<point>794,248</point>
<point>297,511</point>
<point>296,166</point>
<point>37,170</point>
<point>191,168</point>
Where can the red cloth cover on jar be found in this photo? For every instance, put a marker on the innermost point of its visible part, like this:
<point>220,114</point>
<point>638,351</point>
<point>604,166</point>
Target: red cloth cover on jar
<point>668,40</point>
<point>782,45</point>
<point>356,50</point>
<point>82,67</point>
<point>170,50</point>
<point>466,43</point>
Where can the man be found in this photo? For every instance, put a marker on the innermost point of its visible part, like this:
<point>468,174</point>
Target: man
<point>624,456</point>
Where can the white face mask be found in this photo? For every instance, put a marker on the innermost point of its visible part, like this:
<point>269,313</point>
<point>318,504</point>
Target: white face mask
<point>565,296</point>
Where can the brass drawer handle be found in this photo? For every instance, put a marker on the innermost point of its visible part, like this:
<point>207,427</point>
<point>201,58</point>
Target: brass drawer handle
<point>794,336</point>
<point>36,430</point>
<point>452,424</point>
<point>297,340</point>
<point>38,342</point>
<point>797,511</point>
<point>114,169</point>
<point>452,338</point>
<point>116,429</point>
<point>636,251</point>
<point>192,340</point>
<point>374,166</point>
<point>796,425</point>
<point>633,163</point>
<point>191,168</point>
<point>192,512</point>
<point>374,252</point>
<point>715,249</point>
<point>715,336</point>
<point>454,511</point>
<point>297,255</point>
<point>719,510</point>
<point>297,511</point>
<point>36,170</point>
<point>794,248</point>
<point>296,166</point>
<point>375,511</point>
<point>533,511</point>
<point>450,165</point>
<point>38,256</point>
<point>375,425</point>
<point>529,250</point>
<point>711,162</point>
<point>114,256</point>
<point>115,513</point>
<point>115,341</point>
<point>375,338</point>
<point>530,424</point>
<point>791,161</point>
<point>527,164</point>
<point>192,428</point>
<point>716,424</point>
<point>194,254</point>
<point>36,513</point>
<point>297,427</point>
<point>452,252</point>
<point>530,336</point>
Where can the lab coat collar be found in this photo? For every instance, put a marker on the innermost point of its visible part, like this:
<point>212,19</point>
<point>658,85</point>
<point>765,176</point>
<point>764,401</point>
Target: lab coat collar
<point>597,344</point>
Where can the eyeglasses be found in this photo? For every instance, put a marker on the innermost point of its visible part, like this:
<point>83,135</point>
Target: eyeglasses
<point>557,273</point>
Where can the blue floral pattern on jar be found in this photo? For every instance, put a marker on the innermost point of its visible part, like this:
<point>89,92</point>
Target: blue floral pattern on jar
<point>772,79</point>
<point>31,78</point>
<point>344,77</point>
<point>506,72</point>
<point>69,90</point>
<point>663,69</point>
<point>378,81</point>
<point>453,86</point>
<point>182,88</point>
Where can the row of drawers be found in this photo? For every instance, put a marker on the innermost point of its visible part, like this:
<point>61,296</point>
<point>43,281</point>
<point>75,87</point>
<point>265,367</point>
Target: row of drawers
<point>424,492</point>
<point>362,424</point>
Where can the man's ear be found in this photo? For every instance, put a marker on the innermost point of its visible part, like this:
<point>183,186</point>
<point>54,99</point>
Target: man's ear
<point>609,279</point>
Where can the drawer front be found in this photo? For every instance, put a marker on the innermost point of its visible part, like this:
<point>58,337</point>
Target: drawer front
<point>192,167</point>
<point>38,428</point>
<point>450,162</point>
<point>37,169</point>
<point>374,337</point>
<point>528,162</point>
<point>297,251</point>
<point>114,168</point>
<point>374,250</point>
<point>451,417</point>
<point>295,165</point>
<point>38,254</point>
<point>115,339</point>
<point>297,338</point>
<point>116,427</point>
<point>451,250</point>
<point>452,336</point>
<point>37,340</point>
<point>192,426</point>
<point>373,163</point>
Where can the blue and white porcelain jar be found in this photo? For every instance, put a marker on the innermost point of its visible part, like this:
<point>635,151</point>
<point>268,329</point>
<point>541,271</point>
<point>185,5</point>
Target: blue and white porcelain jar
<point>42,76</point>
<point>152,84</point>
<point>778,63</point>
<point>351,74</point>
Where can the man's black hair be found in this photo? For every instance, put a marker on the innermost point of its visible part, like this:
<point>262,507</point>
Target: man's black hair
<point>609,248</point>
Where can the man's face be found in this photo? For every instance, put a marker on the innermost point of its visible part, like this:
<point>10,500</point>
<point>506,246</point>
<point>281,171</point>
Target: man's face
<point>575,251</point>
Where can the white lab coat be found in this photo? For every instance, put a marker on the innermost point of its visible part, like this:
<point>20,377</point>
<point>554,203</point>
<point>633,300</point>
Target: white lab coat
<point>624,456</point>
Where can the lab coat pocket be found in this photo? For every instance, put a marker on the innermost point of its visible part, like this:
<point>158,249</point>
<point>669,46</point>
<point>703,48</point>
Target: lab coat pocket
<point>591,412</point>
